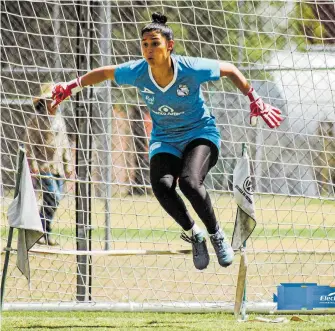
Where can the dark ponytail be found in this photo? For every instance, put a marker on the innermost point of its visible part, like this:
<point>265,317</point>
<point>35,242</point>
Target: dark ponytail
<point>159,24</point>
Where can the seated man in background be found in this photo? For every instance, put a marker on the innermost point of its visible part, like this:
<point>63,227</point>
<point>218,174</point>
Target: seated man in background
<point>49,153</point>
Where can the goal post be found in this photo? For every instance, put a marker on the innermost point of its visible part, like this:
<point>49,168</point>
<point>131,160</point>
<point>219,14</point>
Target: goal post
<point>118,249</point>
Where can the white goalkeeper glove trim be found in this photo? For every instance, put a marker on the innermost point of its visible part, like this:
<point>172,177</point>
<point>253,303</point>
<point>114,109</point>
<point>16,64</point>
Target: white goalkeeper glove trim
<point>75,85</point>
<point>252,95</point>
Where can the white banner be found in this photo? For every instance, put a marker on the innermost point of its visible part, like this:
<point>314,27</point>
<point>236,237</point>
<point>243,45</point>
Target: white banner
<point>243,193</point>
<point>23,214</point>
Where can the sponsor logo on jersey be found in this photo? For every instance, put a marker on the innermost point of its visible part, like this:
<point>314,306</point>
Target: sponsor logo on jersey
<point>155,146</point>
<point>146,90</point>
<point>183,90</point>
<point>166,111</point>
<point>150,100</point>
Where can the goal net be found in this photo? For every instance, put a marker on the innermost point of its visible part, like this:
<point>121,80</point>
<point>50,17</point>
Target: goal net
<point>117,246</point>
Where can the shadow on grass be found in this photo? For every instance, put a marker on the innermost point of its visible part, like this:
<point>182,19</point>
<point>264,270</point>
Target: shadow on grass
<point>148,325</point>
<point>68,327</point>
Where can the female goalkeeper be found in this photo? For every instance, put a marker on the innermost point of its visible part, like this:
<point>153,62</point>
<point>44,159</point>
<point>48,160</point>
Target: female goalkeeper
<point>185,141</point>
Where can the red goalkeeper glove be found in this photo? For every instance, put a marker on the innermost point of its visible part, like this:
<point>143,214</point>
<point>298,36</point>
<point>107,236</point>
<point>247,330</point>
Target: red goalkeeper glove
<point>62,91</point>
<point>270,114</point>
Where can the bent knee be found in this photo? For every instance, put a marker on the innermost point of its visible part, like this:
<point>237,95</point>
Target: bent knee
<point>163,184</point>
<point>190,184</point>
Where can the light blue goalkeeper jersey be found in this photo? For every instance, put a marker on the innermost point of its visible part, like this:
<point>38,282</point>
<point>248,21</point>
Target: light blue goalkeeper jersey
<point>178,111</point>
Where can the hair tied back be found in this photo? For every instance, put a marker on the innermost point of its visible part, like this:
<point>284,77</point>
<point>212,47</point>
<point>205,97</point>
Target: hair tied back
<point>158,18</point>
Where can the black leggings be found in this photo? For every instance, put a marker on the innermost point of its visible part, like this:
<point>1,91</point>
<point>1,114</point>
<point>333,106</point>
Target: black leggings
<point>199,156</point>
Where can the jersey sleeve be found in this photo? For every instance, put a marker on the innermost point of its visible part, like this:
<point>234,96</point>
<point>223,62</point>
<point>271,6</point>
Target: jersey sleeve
<point>205,69</point>
<point>126,73</point>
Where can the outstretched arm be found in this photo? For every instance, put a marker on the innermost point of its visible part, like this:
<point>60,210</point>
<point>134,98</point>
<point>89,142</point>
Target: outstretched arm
<point>230,71</point>
<point>98,75</point>
<point>61,91</point>
<point>269,114</point>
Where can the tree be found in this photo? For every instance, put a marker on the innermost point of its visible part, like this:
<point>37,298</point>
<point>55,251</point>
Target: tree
<point>314,23</point>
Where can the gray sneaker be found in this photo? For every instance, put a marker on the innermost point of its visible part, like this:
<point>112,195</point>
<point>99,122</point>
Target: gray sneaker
<point>51,240</point>
<point>42,241</point>
<point>48,240</point>
<point>223,250</point>
<point>199,249</point>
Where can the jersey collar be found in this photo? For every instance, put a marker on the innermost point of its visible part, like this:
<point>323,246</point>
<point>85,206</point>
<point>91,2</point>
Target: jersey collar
<point>175,67</point>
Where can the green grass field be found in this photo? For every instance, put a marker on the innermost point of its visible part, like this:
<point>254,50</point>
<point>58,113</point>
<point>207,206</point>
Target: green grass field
<point>101,321</point>
<point>284,223</point>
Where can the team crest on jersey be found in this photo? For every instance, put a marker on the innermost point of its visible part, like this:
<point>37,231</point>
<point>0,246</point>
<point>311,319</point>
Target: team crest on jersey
<point>183,90</point>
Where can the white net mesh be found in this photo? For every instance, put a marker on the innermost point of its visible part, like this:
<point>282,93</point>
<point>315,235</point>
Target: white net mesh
<point>285,48</point>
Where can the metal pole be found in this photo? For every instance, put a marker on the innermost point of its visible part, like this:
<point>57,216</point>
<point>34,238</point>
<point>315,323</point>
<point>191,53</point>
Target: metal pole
<point>105,46</point>
<point>240,39</point>
<point>56,25</point>
<point>83,158</point>
<point>90,147</point>
<point>10,234</point>
<point>244,301</point>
